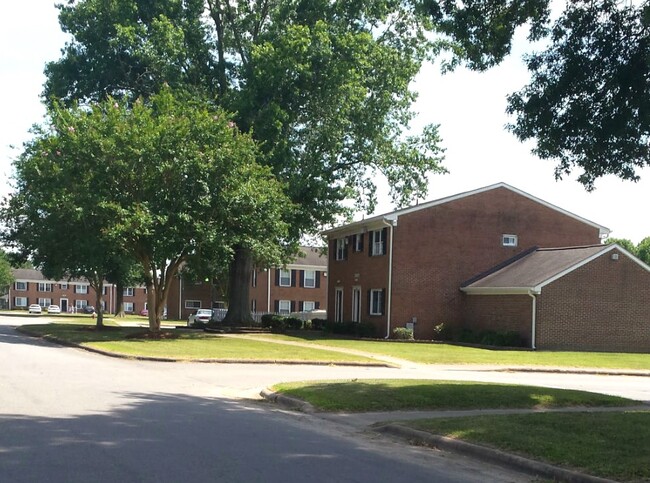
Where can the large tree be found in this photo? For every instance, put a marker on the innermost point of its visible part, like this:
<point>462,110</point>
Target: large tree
<point>322,86</point>
<point>161,180</point>
<point>587,105</point>
<point>6,277</point>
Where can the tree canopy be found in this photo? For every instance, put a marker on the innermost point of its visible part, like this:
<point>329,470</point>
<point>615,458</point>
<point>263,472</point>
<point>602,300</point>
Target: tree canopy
<point>6,277</point>
<point>587,105</point>
<point>161,180</point>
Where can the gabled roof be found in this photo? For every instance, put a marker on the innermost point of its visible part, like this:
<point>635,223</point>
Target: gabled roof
<point>310,256</point>
<point>392,217</point>
<point>529,274</point>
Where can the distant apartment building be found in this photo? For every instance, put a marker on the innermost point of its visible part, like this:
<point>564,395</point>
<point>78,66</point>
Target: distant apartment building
<point>31,287</point>
<point>301,286</point>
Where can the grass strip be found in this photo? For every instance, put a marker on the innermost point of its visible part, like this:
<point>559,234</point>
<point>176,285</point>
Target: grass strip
<point>395,395</point>
<point>609,445</point>
<point>440,353</point>
<point>184,344</point>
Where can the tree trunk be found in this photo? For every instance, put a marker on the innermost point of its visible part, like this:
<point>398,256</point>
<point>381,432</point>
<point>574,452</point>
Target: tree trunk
<point>239,312</point>
<point>119,300</point>
<point>155,312</point>
<point>99,289</point>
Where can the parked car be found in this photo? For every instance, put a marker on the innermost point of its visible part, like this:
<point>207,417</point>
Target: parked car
<point>88,309</point>
<point>144,313</point>
<point>199,318</point>
<point>34,309</point>
<point>54,309</point>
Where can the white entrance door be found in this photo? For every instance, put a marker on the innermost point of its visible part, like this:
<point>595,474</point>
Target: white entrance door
<point>338,305</point>
<point>356,304</point>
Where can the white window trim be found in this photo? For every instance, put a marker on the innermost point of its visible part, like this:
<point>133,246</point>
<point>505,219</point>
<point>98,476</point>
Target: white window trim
<point>44,287</point>
<point>128,292</point>
<point>80,304</point>
<point>313,280</point>
<point>128,306</point>
<point>20,301</point>
<point>82,289</point>
<point>44,302</point>
<point>192,304</point>
<point>508,240</point>
<point>63,286</point>
<point>280,277</point>
<point>379,294</point>
<point>287,309</point>
<point>340,248</point>
<point>377,245</point>
<point>23,284</point>
<point>312,305</point>
<point>357,242</point>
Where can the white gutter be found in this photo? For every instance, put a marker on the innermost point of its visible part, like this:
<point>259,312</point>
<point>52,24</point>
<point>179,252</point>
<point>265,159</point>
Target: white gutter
<point>534,321</point>
<point>391,225</point>
<point>268,290</point>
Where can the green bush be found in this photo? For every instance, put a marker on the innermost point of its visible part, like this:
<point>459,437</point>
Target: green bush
<point>307,325</point>
<point>497,338</point>
<point>402,333</point>
<point>293,323</point>
<point>318,324</point>
<point>442,332</point>
<point>267,320</point>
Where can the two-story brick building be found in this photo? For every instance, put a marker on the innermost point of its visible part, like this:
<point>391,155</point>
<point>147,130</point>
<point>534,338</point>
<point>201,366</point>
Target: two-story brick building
<point>31,287</point>
<point>299,287</point>
<point>407,268</point>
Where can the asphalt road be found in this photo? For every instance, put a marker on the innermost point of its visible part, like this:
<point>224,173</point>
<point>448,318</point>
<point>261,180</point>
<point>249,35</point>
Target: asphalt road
<point>67,415</point>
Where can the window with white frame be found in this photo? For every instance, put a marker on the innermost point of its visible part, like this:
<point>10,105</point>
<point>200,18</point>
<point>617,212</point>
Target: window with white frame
<point>128,291</point>
<point>377,242</point>
<point>310,279</point>
<point>254,278</point>
<point>128,306</point>
<point>192,304</point>
<point>104,289</point>
<point>20,302</point>
<point>80,304</point>
<point>44,302</point>
<point>285,278</point>
<point>358,242</point>
<point>81,289</point>
<point>44,287</point>
<point>341,248</point>
<point>308,305</point>
<point>63,286</point>
<point>21,286</point>
<point>376,302</point>
<point>284,307</point>
<point>253,305</point>
<point>509,240</point>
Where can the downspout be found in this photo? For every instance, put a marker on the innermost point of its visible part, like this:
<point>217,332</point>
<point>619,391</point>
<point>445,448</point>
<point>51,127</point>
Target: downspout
<point>534,321</point>
<point>390,277</point>
<point>268,290</point>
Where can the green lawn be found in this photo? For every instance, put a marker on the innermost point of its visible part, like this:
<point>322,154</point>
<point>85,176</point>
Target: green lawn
<point>185,344</point>
<point>437,353</point>
<point>609,445</point>
<point>395,395</point>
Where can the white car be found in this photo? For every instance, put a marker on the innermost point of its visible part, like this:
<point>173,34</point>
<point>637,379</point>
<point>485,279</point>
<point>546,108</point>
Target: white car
<point>199,318</point>
<point>54,309</point>
<point>34,309</point>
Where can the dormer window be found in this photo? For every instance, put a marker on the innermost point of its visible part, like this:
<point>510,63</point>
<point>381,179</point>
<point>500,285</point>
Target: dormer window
<point>509,240</point>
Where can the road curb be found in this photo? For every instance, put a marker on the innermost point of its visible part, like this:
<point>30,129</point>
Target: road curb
<point>287,401</point>
<point>532,467</point>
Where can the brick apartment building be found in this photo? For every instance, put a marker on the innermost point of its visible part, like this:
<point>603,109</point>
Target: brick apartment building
<point>300,286</point>
<point>423,266</point>
<point>31,287</point>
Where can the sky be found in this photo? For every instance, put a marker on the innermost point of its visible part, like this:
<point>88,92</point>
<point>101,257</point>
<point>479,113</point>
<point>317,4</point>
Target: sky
<point>468,106</point>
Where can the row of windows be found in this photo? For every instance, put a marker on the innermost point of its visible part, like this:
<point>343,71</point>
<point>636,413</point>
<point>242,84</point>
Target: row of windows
<point>285,307</point>
<point>78,288</point>
<point>376,246</point>
<point>291,278</point>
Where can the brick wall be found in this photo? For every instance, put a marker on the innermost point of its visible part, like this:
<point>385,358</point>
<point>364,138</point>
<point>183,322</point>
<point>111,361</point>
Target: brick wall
<point>602,306</point>
<point>499,313</point>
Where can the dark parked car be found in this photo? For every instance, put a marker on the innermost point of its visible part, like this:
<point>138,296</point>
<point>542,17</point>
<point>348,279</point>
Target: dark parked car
<point>88,309</point>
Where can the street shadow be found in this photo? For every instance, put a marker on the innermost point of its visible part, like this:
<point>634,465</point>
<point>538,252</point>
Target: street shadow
<point>163,437</point>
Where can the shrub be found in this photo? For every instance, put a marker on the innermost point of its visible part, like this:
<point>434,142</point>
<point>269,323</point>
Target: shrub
<point>402,333</point>
<point>293,323</point>
<point>267,320</point>
<point>357,329</point>
<point>495,338</point>
<point>306,325</point>
<point>442,332</point>
<point>318,324</point>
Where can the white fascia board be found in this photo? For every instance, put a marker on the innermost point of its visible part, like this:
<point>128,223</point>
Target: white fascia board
<point>499,290</point>
<point>296,266</point>
<point>362,226</point>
